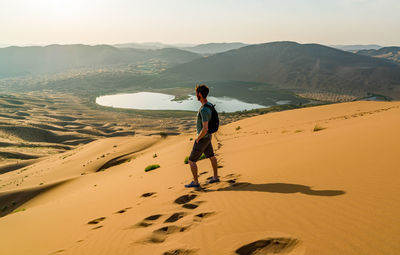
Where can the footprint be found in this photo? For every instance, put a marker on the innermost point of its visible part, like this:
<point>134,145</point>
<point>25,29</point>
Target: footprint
<point>232,176</point>
<point>123,210</point>
<point>148,194</point>
<point>268,246</point>
<point>143,224</point>
<point>201,216</point>
<point>60,251</point>
<point>190,206</point>
<point>96,221</point>
<point>180,252</point>
<point>175,217</point>
<point>185,199</point>
<point>167,230</point>
<point>159,235</point>
<point>153,217</point>
<point>232,181</point>
<point>97,227</point>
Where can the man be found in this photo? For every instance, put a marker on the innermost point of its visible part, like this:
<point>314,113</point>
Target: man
<point>202,143</point>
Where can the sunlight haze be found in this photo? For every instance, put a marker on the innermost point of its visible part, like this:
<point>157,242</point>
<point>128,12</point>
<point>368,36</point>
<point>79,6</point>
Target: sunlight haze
<point>178,21</point>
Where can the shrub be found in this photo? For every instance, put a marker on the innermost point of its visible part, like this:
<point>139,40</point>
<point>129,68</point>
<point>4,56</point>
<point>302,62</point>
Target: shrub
<point>238,127</point>
<point>18,210</point>
<point>151,167</point>
<point>318,128</point>
<point>202,156</point>
<point>163,134</point>
<point>155,155</point>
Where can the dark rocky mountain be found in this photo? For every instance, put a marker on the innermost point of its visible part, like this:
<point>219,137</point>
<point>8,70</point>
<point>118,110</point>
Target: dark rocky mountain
<point>297,66</point>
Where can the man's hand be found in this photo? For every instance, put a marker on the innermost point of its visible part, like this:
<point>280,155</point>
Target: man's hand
<point>203,131</point>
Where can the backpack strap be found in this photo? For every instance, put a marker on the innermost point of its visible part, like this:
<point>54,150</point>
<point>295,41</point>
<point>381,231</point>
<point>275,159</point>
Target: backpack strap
<point>210,106</point>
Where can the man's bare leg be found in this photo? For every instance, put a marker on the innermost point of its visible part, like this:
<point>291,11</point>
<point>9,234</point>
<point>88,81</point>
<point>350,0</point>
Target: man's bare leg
<point>214,164</point>
<point>193,167</point>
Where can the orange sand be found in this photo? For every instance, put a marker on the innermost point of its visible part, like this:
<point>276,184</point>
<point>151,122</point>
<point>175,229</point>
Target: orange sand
<point>332,191</point>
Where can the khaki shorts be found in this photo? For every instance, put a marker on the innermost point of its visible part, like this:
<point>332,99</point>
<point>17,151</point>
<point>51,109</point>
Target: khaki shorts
<point>204,145</point>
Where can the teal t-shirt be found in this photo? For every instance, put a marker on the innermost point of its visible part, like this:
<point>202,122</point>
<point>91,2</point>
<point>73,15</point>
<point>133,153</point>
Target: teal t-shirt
<point>204,114</point>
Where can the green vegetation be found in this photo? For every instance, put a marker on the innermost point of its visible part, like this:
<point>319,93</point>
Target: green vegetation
<point>163,134</point>
<point>155,155</point>
<point>19,210</point>
<point>237,128</point>
<point>318,128</point>
<point>151,167</point>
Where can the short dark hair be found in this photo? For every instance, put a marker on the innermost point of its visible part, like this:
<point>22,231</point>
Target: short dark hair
<point>202,89</point>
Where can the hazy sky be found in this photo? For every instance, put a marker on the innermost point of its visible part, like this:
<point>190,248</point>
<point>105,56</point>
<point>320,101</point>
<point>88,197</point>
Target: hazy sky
<point>199,21</point>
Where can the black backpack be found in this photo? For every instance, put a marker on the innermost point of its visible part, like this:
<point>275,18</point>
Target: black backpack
<point>213,124</point>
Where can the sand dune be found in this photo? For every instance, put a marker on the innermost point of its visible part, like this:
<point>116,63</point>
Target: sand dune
<point>41,124</point>
<point>320,180</point>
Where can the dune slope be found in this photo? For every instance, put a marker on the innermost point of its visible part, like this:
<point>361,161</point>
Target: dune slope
<point>321,180</point>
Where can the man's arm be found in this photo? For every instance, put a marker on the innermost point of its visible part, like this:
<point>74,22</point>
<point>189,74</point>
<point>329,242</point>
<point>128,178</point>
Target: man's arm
<point>203,131</point>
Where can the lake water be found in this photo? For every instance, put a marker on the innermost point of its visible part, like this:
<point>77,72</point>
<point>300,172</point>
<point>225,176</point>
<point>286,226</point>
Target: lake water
<point>159,101</point>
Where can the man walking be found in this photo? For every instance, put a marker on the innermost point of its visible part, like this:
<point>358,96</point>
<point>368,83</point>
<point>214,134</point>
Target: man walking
<point>202,143</point>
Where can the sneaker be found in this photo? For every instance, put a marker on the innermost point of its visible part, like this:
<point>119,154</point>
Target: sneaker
<point>192,185</point>
<point>213,180</point>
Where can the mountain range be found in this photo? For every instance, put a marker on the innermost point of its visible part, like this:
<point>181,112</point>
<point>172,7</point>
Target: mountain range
<point>296,66</point>
<point>204,49</point>
<point>151,45</point>
<point>287,65</point>
<point>356,47</point>
<point>390,53</point>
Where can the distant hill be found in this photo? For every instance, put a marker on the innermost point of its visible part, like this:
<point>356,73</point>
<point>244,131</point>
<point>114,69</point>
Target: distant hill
<point>296,66</point>
<point>391,53</point>
<point>213,48</point>
<point>16,61</point>
<point>204,49</point>
<point>353,48</point>
<point>151,45</point>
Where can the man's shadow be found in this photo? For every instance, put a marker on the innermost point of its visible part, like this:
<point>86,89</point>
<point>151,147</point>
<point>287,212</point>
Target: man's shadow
<point>285,188</point>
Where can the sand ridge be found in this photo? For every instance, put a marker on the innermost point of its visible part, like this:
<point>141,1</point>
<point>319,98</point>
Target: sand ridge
<point>321,180</point>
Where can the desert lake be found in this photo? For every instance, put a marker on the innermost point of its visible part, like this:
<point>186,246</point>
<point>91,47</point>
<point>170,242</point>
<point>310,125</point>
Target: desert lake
<point>160,101</point>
